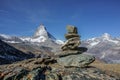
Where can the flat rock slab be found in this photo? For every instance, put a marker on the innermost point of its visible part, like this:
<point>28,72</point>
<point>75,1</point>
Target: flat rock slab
<point>78,60</point>
<point>79,50</point>
<point>67,53</point>
<point>68,36</point>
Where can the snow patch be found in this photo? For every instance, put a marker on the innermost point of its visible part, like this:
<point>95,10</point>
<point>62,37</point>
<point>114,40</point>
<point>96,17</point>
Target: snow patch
<point>92,39</point>
<point>25,39</point>
<point>114,41</point>
<point>59,42</point>
<point>11,42</point>
<point>5,36</point>
<point>103,55</point>
<point>94,43</point>
<point>39,39</point>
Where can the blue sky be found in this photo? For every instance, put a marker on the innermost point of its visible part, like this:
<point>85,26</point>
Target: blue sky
<point>91,17</point>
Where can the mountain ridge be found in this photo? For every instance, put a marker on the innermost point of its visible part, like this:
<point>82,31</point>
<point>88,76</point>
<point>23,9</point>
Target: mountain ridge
<point>9,54</point>
<point>105,47</point>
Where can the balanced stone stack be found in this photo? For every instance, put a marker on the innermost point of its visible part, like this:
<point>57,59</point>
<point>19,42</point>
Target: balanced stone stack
<point>71,55</point>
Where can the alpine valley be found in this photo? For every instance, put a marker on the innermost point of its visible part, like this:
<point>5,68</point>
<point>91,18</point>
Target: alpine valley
<point>105,48</point>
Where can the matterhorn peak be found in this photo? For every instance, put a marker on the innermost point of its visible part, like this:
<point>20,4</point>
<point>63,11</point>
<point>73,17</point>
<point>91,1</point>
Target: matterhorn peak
<point>41,31</point>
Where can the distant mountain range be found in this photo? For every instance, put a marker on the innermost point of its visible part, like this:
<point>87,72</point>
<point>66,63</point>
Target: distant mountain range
<point>104,47</point>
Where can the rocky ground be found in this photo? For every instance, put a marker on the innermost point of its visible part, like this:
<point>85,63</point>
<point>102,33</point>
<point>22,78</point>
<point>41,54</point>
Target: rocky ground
<point>49,69</point>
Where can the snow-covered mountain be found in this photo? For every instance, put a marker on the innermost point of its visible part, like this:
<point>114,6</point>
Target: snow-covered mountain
<point>41,35</point>
<point>42,31</point>
<point>104,38</point>
<point>41,38</point>
<point>104,47</point>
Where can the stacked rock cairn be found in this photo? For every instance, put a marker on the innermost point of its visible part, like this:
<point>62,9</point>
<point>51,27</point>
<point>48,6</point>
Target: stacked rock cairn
<point>71,55</point>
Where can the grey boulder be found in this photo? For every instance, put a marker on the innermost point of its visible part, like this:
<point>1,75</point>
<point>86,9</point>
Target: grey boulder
<point>79,60</point>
